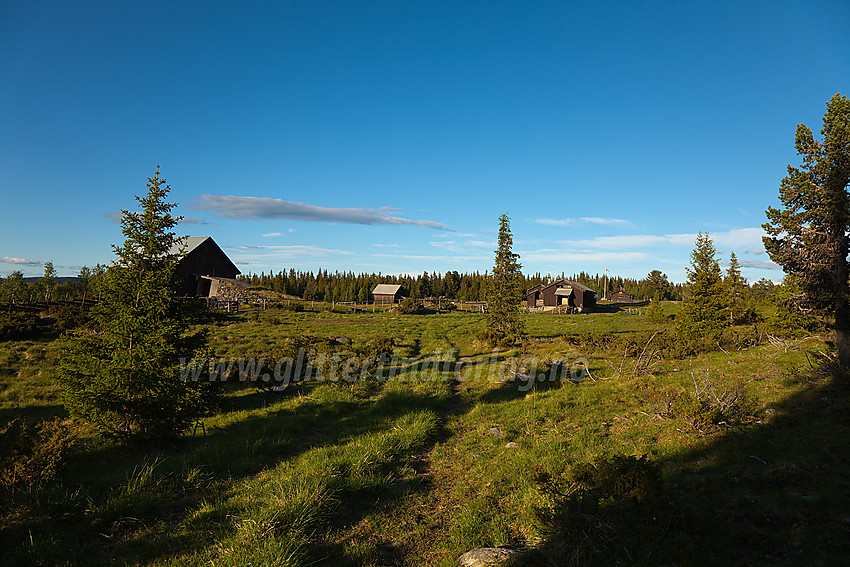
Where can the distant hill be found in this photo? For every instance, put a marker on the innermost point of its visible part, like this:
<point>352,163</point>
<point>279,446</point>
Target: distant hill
<point>63,279</point>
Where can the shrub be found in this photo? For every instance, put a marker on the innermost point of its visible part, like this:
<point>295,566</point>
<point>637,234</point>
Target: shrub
<point>714,405</point>
<point>32,454</point>
<point>70,317</point>
<point>18,326</point>
<point>410,306</point>
<point>590,507</point>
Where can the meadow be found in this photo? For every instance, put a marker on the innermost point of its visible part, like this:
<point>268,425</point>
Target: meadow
<point>651,456</point>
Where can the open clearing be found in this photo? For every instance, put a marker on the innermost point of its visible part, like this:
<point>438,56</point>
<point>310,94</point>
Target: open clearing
<point>418,471</point>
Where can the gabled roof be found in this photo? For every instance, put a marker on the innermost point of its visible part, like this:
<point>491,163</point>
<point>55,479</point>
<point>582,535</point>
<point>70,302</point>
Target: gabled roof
<point>386,289</point>
<point>187,244</point>
<point>568,283</point>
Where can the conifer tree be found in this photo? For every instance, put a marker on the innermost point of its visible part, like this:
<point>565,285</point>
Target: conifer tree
<point>735,284</point>
<point>126,379</point>
<point>703,312</point>
<point>808,235</point>
<point>505,290</point>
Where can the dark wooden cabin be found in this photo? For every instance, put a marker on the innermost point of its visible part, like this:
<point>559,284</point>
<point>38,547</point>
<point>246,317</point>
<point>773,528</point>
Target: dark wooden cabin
<point>562,292</point>
<point>386,294</point>
<point>622,295</point>
<point>202,257</point>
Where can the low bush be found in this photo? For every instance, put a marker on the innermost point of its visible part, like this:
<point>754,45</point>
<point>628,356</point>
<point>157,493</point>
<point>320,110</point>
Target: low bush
<point>410,306</point>
<point>32,454</point>
<point>714,405</point>
<point>597,512</point>
<point>19,326</point>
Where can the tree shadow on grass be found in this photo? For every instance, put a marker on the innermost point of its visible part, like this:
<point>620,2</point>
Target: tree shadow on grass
<point>770,493</point>
<point>106,521</point>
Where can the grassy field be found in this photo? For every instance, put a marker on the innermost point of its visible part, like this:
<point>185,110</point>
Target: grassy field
<point>750,445</point>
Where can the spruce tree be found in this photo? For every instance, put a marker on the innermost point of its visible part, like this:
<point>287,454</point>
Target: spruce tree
<point>808,235</point>
<point>505,290</point>
<point>735,285</point>
<point>125,379</point>
<point>703,313</point>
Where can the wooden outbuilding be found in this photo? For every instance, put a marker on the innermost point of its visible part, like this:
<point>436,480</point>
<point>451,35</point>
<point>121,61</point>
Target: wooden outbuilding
<point>622,295</point>
<point>386,294</point>
<point>562,293</point>
<point>202,265</point>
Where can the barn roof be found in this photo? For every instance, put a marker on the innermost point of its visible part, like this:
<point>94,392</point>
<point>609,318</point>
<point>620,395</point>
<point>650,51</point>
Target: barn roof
<point>568,283</point>
<point>187,243</point>
<point>386,289</point>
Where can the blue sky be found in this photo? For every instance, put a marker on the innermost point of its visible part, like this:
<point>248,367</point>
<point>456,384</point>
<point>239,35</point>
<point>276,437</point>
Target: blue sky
<point>389,136</point>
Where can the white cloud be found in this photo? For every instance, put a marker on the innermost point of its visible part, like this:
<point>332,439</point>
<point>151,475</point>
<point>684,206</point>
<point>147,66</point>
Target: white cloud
<point>235,207</point>
<point>760,264</point>
<point>739,238</point>
<point>115,216</point>
<point>293,250</point>
<point>461,247</point>
<point>560,255</point>
<point>20,261</point>
<point>583,220</point>
<point>455,259</point>
<point>271,234</point>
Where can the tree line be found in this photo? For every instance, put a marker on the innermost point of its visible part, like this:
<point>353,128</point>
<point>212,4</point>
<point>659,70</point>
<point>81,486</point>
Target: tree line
<point>324,285</point>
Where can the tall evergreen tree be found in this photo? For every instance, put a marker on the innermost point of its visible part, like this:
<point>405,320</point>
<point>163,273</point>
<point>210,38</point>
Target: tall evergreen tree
<point>808,235</point>
<point>735,285</point>
<point>703,312</point>
<point>505,290</point>
<point>126,379</point>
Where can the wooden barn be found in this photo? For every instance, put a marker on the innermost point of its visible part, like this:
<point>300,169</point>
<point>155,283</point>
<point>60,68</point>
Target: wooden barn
<point>622,295</point>
<point>562,292</point>
<point>202,265</point>
<point>386,294</point>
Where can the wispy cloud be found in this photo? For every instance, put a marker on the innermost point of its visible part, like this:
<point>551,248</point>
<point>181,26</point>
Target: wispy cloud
<point>455,259</point>
<point>736,239</point>
<point>582,220</point>
<point>271,234</point>
<point>559,255</point>
<point>236,207</point>
<point>251,252</point>
<point>193,220</point>
<point>20,261</point>
<point>115,216</point>
<point>761,264</point>
<point>462,247</point>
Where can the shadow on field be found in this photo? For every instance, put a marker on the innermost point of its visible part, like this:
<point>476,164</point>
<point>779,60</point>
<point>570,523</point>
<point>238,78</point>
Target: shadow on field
<point>135,495</point>
<point>772,493</point>
<point>32,414</point>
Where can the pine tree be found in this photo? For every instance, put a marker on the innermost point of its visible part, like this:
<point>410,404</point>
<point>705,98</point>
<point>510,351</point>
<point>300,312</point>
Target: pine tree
<point>505,290</point>
<point>808,236</point>
<point>703,312</point>
<point>125,380</point>
<point>735,285</point>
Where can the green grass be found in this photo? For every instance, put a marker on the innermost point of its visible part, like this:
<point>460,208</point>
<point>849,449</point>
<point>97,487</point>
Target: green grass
<point>418,472</point>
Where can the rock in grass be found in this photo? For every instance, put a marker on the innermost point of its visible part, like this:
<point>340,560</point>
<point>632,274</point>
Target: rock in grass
<point>486,556</point>
<point>511,445</point>
<point>495,432</point>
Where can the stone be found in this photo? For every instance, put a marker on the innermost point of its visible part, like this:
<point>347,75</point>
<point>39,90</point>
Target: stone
<point>495,432</point>
<point>484,556</point>
<point>511,445</point>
